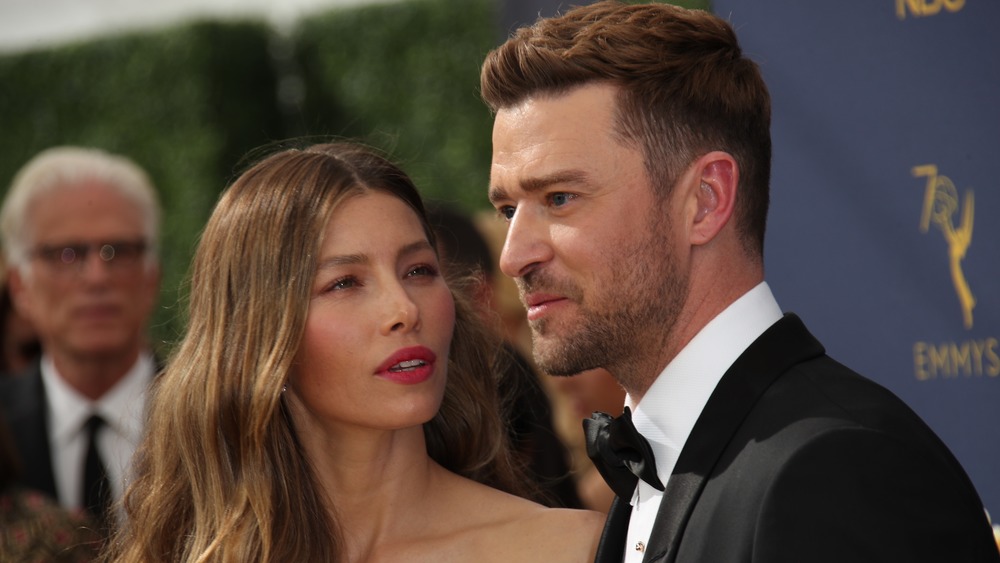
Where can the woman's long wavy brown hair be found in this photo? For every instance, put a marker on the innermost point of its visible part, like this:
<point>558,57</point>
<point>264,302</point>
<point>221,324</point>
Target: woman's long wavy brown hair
<point>220,475</point>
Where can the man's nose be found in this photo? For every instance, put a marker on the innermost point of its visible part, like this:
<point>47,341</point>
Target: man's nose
<point>527,245</point>
<point>93,267</point>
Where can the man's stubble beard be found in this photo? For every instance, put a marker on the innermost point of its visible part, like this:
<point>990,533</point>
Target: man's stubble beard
<point>627,331</point>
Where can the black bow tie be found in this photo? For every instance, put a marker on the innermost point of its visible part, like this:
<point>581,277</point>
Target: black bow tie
<point>620,453</point>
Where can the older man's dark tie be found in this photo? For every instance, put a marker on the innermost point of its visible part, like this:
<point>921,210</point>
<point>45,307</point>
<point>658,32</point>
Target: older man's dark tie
<point>620,453</point>
<point>96,485</point>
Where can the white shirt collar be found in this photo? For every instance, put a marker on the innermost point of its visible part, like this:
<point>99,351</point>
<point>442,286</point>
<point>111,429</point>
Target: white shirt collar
<point>669,409</point>
<point>121,407</point>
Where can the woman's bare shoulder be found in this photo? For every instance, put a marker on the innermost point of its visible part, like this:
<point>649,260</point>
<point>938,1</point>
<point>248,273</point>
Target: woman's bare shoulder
<point>517,529</point>
<point>553,534</point>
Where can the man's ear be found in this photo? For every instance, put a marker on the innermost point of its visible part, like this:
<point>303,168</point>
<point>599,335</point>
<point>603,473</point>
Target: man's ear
<point>714,197</point>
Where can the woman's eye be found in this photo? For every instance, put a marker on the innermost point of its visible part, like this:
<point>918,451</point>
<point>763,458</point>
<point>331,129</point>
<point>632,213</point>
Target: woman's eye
<point>423,270</point>
<point>344,283</point>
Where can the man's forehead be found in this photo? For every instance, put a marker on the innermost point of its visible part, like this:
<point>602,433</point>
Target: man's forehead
<point>82,209</point>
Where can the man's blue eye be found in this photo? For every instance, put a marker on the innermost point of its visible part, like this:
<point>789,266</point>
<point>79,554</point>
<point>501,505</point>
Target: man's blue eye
<point>559,199</point>
<point>507,212</point>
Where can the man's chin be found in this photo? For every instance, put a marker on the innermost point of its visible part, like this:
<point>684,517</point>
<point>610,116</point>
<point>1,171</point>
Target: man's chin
<point>555,358</point>
<point>100,347</point>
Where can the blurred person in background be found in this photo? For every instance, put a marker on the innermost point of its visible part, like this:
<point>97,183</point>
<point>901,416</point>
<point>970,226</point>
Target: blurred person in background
<point>466,254</point>
<point>503,291</point>
<point>585,393</point>
<point>19,345</point>
<point>572,399</point>
<point>33,527</point>
<point>80,232</point>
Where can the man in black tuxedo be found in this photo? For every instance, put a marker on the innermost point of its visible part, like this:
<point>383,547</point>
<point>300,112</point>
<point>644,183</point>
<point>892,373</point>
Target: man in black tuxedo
<point>631,158</point>
<point>80,232</point>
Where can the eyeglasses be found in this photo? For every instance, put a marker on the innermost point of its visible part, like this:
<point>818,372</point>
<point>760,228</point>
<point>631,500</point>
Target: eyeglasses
<point>71,257</point>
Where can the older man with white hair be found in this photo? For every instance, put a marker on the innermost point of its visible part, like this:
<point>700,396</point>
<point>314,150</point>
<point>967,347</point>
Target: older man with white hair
<point>80,233</point>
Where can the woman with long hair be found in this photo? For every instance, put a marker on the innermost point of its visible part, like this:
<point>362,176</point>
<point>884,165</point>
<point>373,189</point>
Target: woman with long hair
<point>333,398</point>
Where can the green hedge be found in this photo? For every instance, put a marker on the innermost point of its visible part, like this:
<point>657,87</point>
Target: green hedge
<point>405,77</point>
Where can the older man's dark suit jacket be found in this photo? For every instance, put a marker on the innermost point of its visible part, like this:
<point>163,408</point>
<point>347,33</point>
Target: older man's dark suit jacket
<point>23,404</point>
<point>796,458</point>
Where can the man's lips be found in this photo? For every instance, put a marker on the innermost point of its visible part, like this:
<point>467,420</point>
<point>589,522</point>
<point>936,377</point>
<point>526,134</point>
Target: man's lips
<point>96,311</point>
<point>538,304</point>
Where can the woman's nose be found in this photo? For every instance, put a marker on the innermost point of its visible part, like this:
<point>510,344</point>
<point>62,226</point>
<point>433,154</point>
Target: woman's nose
<point>401,312</point>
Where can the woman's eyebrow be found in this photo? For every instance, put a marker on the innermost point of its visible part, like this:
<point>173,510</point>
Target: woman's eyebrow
<point>361,258</point>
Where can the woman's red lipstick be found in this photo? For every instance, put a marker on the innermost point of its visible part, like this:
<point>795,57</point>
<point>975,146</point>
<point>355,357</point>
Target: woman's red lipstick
<point>408,365</point>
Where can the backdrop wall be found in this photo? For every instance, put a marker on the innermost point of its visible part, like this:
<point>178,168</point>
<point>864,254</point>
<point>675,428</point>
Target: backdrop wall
<point>883,232</point>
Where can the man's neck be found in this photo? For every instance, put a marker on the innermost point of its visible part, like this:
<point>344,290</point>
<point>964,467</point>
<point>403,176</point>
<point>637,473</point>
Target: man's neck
<point>698,312</point>
<point>93,376</point>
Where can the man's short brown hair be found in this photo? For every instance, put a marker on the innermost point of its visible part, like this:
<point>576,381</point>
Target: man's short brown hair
<point>685,89</point>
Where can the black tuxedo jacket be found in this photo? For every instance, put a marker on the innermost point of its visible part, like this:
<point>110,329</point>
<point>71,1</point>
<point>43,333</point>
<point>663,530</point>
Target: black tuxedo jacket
<point>795,458</point>
<point>23,404</point>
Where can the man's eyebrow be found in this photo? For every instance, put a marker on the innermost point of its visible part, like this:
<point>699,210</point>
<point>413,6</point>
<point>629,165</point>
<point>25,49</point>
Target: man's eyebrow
<point>532,185</point>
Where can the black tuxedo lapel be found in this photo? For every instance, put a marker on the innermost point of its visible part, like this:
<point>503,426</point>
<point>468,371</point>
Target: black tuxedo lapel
<point>783,345</point>
<point>23,403</point>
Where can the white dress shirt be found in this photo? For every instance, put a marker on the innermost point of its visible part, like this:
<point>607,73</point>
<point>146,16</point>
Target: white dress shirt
<point>671,406</point>
<point>122,408</point>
